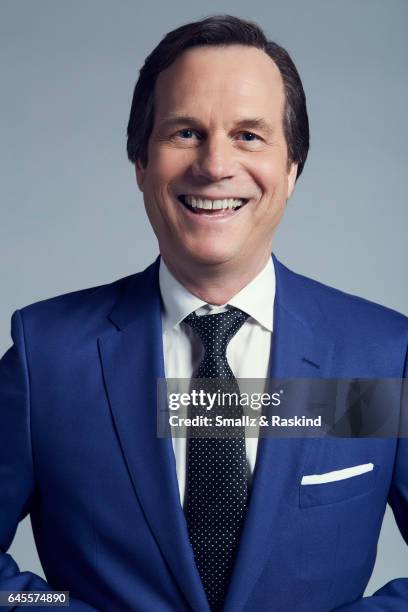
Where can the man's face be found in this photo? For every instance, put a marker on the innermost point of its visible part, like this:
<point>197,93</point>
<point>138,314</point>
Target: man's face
<point>217,138</point>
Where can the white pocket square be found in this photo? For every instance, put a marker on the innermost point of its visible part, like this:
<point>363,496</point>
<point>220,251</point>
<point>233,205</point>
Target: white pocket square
<point>356,470</point>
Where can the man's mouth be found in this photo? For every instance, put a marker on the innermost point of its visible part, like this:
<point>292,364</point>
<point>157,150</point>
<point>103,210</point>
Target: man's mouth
<point>200,205</point>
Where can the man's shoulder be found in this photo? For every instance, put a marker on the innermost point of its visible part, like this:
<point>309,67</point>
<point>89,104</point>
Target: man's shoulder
<point>68,300</point>
<point>343,310</point>
<point>88,307</point>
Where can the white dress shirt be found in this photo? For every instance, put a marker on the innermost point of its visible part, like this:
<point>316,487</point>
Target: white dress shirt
<point>248,352</point>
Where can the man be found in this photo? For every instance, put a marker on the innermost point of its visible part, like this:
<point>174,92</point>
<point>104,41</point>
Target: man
<point>124,520</point>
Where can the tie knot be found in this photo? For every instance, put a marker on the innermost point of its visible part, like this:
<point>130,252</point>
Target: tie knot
<point>216,330</point>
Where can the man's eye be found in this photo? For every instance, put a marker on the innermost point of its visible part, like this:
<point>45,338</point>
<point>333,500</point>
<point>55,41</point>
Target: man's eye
<point>249,136</point>
<point>187,133</point>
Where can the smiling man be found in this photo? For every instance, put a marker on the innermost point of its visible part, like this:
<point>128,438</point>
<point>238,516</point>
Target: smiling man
<point>125,520</point>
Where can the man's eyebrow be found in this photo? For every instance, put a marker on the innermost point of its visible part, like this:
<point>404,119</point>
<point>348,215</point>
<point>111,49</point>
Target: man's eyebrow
<point>255,124</point>
<point>173,121</point>
<point>250,123</point>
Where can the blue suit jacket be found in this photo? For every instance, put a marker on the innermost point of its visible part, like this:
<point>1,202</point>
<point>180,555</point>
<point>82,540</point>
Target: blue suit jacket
<point>79,452</point>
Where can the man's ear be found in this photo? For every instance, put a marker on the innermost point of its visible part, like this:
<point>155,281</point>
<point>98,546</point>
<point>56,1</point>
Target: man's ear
<point>140,174</point>
<point>292,174</point>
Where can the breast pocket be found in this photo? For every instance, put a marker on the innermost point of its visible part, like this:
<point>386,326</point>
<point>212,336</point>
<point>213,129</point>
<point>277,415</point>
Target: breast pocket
<point>337,486</point>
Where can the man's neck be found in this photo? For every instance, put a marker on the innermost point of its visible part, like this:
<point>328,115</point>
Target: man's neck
<point>216,284</point>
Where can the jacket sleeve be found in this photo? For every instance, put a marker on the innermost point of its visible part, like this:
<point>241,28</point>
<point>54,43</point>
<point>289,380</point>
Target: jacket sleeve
<point>16,465</point>
<point>394,595</point>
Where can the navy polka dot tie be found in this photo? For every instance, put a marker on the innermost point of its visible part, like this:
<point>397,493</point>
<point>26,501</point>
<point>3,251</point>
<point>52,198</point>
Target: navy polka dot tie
<point>217,484</point>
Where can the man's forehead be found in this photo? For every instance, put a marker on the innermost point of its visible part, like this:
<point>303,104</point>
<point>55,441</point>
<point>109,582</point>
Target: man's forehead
<point>229,64</point>
<point>208,76</point>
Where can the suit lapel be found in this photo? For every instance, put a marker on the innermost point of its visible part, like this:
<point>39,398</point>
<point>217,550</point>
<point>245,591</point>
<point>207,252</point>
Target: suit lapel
<point>132,361</point>
<point>300,349</point>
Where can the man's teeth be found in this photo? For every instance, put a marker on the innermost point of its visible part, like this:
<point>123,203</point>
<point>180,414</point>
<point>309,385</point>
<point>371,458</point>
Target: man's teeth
<point>213,204</point>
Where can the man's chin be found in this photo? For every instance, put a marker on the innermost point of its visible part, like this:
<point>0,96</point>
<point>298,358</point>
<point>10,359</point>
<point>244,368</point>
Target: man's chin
<point>196,255</point>
<point>211,257</point>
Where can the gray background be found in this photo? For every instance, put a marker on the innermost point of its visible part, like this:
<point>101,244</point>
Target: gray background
<point>71,214</point>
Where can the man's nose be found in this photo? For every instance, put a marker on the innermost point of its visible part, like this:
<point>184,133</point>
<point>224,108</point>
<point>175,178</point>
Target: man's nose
<point>215,159</point>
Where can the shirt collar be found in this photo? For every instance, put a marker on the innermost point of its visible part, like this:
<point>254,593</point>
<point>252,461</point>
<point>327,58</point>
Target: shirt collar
<point>256,298</point>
